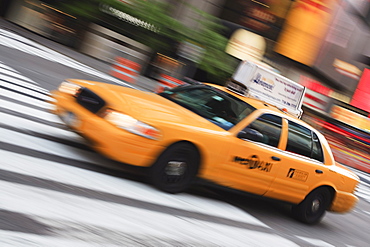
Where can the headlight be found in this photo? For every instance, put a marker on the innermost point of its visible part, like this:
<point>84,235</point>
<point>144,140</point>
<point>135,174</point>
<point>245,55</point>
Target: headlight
<point>131,124</point>
<point>70,88</point>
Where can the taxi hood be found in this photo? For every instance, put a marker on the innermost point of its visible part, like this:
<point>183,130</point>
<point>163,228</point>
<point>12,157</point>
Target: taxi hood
<point>147,107</point>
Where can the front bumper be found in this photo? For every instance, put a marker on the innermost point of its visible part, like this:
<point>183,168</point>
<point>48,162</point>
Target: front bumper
<point>105,138</point>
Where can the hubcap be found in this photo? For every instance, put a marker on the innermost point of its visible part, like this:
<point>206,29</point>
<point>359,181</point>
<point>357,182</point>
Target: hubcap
<point>315,205</point>
<point>175,168</point>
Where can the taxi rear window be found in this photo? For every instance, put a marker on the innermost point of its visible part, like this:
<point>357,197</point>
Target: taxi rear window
<point>304,142</point>
<point>217,106</point>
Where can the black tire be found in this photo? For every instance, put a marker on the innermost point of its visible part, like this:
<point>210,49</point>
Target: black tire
<point>176,168</point>
<point>312,209</point>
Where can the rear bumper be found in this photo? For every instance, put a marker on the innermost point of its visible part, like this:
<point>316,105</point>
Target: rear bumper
<point>343,202</point>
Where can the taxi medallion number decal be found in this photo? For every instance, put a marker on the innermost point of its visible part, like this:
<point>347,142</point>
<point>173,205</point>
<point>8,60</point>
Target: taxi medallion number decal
<point>297,174</point>
<point>253,162</point>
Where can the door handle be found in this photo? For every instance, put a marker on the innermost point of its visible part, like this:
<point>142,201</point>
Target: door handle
<point>275,158</point>
<point>319,171</point>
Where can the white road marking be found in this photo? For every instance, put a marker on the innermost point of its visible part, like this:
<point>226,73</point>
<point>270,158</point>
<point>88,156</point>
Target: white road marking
<point>25,90</point>
<point>46,146</point>
<point>25,124</point>
<point>30,111</point>
<point>58,206</point>
<point>4,66</point>
<point>315,242</point>
<point>19,239</point>
<point>19,82</point>
<point>14,73</point>
<point>363,190</point>
<point>9,39</point>
<point>26,99</point>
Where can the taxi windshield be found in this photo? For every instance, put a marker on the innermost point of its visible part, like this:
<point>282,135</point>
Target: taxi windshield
<point>217,106</point>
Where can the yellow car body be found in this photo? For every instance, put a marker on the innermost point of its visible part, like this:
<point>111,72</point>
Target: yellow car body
<point>223,155</point>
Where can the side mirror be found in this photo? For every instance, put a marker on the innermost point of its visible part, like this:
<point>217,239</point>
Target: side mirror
<point>250,134</point>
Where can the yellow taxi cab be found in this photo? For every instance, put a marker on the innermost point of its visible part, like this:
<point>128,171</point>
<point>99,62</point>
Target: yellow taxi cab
<point>213,133</point>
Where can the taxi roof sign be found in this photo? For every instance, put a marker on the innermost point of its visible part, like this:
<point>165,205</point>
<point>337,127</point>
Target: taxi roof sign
<point>255,81</point>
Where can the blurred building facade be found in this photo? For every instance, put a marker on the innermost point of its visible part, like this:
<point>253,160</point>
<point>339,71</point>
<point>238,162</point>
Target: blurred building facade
<point>323,45</point>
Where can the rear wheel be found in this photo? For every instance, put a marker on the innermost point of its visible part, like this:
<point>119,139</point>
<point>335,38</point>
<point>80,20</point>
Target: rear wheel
<point>313,207</point>
<point>176,168</point>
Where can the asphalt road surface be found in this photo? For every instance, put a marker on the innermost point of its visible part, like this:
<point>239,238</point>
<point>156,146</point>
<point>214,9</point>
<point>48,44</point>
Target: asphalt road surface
<point>53,191</point>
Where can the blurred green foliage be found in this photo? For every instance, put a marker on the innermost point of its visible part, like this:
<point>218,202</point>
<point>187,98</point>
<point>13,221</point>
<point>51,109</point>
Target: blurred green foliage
<point>218,64</point>
<point>215,60</point>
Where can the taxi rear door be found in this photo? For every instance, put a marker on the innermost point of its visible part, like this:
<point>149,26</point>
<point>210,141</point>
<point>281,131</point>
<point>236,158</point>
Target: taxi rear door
<point>254,156</point>
<point>302,165</point>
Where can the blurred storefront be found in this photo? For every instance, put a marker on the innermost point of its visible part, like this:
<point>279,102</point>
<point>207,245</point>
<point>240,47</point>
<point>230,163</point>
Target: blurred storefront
<point>328,37</point>
<point>361,97</point>
<point>44,19</point>
<point>264,17</point>
<point>97,40</point>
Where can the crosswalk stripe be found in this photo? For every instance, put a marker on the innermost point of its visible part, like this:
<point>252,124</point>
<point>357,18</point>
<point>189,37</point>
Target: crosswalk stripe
<point>22,83</point>
<point>40,95</point>
<point>4,66</point>
<point>363,195</point>
<point>10,34</point>
<point>25,99</point>
<point>315,242</point>
<point>46,146</point>
<point>363,175</point>
<point>29,111</point>
<point>363,190</point>
<point>14,73</point>
<point>22,86</point>
<point>26,45</point>
<point>22,123</point>
<point>20,239</point>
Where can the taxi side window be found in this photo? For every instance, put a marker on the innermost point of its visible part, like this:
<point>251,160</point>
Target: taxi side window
<point>304,142</point>
<point>317,152</point>
<point>265,129</point>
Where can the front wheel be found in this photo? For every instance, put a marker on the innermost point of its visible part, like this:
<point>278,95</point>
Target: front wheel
<point>176,168</point>
<point>313,207</point>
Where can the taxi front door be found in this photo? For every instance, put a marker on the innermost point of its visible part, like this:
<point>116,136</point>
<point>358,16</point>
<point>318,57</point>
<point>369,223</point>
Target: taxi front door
<point>254,157</point>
